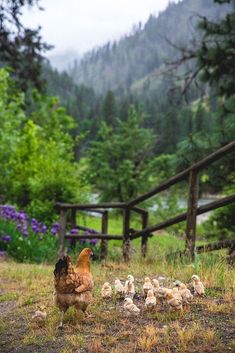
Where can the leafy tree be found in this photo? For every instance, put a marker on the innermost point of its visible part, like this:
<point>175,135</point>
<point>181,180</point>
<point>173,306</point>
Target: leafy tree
<point>36,153</point>
<point>120,162</point>
<point>21,48</point>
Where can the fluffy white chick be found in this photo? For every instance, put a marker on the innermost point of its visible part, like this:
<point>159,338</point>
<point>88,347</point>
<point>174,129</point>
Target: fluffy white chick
<point>156,286</point>
<point>130,287</point>
<point>119,288</point>
<point>130,308</point>
<point>106,291</point>
<point>162,292</point>
<point>198,286</point>
<point>40,315</point>
<point>185,293</point>
<point>177,293</point>
<point>147,286</point>
<point>150,301</point>
<point>175,303</point>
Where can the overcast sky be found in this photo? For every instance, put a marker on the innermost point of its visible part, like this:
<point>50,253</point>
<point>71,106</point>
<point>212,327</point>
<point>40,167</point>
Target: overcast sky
<point>80,25</point>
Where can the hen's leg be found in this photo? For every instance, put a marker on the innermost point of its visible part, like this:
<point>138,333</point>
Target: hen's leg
<point>87,315</point>
<point>61,325</point>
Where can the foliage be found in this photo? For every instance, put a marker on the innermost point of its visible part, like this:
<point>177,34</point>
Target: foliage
<point>216,54</point>
<point>28,240</point>
<point>121,159</point>
<point>109,108</point>
<point>21,48</point>
<point>36,153</point>
<point>79,101</point>
<point>25,239</point>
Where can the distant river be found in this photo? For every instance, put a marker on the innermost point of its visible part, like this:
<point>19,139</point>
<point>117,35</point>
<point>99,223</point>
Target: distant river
<point>182,203</point>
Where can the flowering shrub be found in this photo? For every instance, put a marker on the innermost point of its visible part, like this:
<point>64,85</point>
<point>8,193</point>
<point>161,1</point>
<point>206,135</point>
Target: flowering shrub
<point>28,239</point>
<point>25,239</point>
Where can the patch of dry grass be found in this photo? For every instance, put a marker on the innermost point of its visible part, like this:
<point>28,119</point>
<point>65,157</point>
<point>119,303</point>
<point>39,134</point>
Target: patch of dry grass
<point>197,329</point>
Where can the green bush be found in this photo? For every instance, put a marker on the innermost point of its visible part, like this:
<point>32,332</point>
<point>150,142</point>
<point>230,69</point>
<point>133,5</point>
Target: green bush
<point>29,240</point>
<point>36,153</point>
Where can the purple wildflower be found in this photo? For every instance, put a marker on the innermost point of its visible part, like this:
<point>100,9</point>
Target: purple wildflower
<point>19,227</point>
<point>93,241</point>
<point>55,228</point>
<point>43,228</point>
<point>35,228</point>
<point>54,231</point>
<point>6,238</point>
<point>25,232</point>
<point>74,231</point>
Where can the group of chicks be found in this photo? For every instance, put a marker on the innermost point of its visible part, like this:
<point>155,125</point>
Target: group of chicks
<point>153,293</point>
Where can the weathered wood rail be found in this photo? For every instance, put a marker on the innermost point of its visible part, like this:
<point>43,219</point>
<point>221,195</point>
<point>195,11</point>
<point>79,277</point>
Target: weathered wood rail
<point>68,212</point>
<point>223,244</point>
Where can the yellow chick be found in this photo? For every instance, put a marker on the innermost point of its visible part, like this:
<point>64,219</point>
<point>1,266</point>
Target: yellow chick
<point>119,288</point>
<point>106,291</point>
<point>175,304</point>
<point>130,308</point>
<point>162,292</point>
<point>147,286</point>
<point>130,287</point>
<point>198,286</point>
<point>40,315</point>
<point>185,293</point>
<point>150,301</point>
<point>156,285</point>
<point>177,293</point>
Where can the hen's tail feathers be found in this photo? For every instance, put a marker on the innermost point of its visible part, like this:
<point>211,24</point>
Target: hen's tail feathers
<point>61,267</point>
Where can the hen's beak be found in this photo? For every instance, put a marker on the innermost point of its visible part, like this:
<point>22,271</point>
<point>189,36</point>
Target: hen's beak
<point>91,253</point>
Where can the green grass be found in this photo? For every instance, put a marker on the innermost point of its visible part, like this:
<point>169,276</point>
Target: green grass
<point>160,244</point>
<point>31,286</point>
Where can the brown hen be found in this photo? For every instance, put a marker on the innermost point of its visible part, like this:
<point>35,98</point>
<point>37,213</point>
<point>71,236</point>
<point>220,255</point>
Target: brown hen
<point>73,284</point>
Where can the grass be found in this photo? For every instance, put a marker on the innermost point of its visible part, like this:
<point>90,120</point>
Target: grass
<point>207,325</point>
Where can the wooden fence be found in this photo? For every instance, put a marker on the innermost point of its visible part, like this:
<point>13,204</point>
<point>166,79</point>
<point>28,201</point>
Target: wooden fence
<point>68,212</point>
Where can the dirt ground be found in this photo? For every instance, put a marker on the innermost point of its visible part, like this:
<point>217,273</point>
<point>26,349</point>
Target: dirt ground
<point>206,325</point>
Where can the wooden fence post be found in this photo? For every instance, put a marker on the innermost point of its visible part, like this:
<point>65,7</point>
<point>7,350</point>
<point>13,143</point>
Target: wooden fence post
<point>192,214</point>
<point>104,230</point>
<point>144,240</point>
<point>126,235</point>
<point>73,225</point>
<point>62,232</point>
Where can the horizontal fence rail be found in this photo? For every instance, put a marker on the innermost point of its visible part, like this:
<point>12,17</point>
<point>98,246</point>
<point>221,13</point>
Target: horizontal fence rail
<point>191,174</point>
<point>88,206</point>
<point>219,245</point>
<point>93,236</point>
<point>183,216</point>
<point>184,174</point>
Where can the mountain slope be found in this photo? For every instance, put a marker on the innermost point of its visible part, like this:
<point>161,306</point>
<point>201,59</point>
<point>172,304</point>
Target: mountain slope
<point>127,64</point>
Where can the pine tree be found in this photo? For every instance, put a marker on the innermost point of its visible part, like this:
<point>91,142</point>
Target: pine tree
<point>109,108</point>
<point>216,55</point>
<point>21,48</point>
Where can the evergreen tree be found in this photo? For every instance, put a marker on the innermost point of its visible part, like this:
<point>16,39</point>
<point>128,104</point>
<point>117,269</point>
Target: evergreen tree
<point>120,162</point>
<point>109,108</point>
<point>216,55</point>
<point>21,48</point>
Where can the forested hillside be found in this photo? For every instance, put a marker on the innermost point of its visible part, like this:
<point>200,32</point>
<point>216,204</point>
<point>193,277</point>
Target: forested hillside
<point>117,140</point>
<point>132,62</point>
